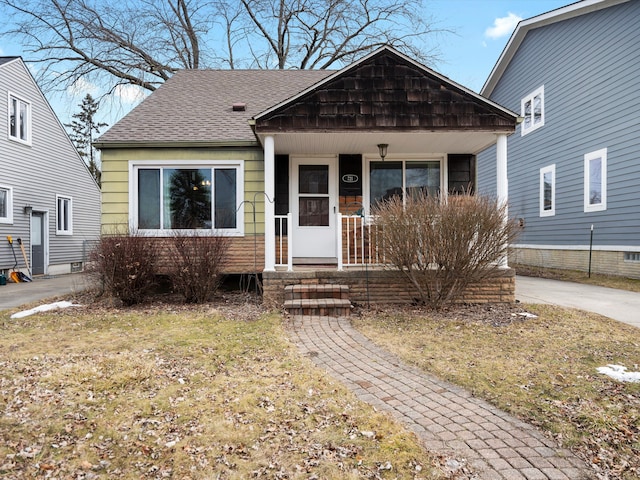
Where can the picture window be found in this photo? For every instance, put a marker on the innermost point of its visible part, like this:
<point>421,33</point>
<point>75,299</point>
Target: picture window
<point>189,197</point>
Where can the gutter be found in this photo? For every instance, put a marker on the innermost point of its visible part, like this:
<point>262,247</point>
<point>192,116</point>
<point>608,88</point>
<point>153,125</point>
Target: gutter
<point>179,144</point>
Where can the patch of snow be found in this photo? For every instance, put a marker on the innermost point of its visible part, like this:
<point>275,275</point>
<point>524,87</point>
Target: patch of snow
<point>44,308</point>
<point>618,372</point>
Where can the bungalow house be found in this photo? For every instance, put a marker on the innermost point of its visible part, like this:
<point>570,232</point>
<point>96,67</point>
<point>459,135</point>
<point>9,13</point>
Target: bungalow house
<point>573,74</point>
<point>288,162</point>
<point>48,198</point>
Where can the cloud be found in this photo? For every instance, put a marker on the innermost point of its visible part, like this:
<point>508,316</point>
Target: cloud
<point>130,93</point>
<point>503,26</point>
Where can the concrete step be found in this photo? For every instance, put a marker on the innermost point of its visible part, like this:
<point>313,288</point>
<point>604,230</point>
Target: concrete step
<point>322,300</point>
<point>292,292</point>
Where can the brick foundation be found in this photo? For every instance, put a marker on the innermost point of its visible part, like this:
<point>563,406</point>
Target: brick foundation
<point>381,286</point>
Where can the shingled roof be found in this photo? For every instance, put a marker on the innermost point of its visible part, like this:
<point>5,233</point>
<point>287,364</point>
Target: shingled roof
<point>196,106</point>
<point>4,60</point>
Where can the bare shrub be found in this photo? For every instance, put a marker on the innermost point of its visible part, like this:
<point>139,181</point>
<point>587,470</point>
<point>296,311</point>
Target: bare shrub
<point>196,265</point>
<point>443,245</point>
<point>123,266</point>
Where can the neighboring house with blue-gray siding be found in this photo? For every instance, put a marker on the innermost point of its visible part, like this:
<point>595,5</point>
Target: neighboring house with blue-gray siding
<point>48,198</point>
<point>574,161</point>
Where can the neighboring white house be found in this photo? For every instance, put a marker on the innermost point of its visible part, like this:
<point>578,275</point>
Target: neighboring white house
<point>574,170</point>
<point>48,198</point>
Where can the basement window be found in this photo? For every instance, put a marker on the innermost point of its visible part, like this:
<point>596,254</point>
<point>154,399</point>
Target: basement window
<point>632,257</point>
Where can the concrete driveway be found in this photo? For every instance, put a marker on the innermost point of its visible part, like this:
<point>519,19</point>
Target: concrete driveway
<point>617,304</point>
<point>13,295</point>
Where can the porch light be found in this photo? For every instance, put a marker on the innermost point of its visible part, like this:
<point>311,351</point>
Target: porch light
<point>28,209</point>
<point>382,149</point>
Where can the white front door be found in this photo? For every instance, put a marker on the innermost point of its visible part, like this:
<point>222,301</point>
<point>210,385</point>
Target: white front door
<point>314,197</point>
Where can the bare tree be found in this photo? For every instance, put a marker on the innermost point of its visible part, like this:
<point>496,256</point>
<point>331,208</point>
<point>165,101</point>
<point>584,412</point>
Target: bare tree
<point>143,42</point>
<point>133,42</point>
<point>322,33</point>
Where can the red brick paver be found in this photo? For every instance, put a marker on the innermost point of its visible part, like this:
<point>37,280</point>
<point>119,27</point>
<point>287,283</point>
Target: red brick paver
<point>447,418</point>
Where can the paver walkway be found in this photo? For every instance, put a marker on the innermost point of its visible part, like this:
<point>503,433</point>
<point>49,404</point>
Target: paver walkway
<point>447,418</point>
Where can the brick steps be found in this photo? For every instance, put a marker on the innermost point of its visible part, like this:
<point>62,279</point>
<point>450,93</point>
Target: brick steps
<point>322,300</point>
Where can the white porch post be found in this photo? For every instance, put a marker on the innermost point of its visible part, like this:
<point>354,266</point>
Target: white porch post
<point>269,205</point>
<point>289,242</point>
<point>339,239</point>
<point>502,184</point>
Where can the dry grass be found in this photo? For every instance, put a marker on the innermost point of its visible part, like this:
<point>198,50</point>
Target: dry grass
<point>182,393</point>
<point>611,281</point>
<point>542,370</point>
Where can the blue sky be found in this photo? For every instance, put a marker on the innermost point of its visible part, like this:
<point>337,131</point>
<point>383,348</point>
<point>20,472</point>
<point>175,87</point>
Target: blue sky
<point>481,29</point>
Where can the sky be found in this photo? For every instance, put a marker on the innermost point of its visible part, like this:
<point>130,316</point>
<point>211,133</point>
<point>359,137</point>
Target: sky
<point>474,34</point>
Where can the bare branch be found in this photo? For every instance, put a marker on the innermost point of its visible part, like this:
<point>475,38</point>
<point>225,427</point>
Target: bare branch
<point>143,42</point>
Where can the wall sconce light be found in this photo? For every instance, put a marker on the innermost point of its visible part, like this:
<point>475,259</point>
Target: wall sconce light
<point>28,209</point>
<point>382,150</point>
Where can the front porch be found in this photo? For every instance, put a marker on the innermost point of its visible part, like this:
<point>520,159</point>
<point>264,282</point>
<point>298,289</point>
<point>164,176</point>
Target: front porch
<point>385,126</point>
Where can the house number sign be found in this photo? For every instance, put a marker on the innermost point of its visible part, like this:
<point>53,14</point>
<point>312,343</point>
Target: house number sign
<point>350,178</point>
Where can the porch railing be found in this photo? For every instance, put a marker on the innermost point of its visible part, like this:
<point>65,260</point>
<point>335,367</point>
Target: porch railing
<point>357,239</point>
<point>284,251</point>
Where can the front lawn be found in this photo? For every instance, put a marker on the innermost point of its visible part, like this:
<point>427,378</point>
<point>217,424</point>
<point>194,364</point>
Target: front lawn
<point>542,369</point>
<point>183,392</point>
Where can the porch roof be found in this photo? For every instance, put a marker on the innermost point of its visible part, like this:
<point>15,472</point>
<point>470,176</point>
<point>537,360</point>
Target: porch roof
<point>386,97</point>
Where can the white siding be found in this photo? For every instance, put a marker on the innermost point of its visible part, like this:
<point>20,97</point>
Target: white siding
<point>49,166</point>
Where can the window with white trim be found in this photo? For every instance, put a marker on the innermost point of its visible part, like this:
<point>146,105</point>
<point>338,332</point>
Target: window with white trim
<point>200,197</point>
<point>19,119</point>
<point>532,111</point>
<point>6,204</point>
<point>595,181</point>
<point>548,191</point>
<point>397,178</point>
<point>64,215</point>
